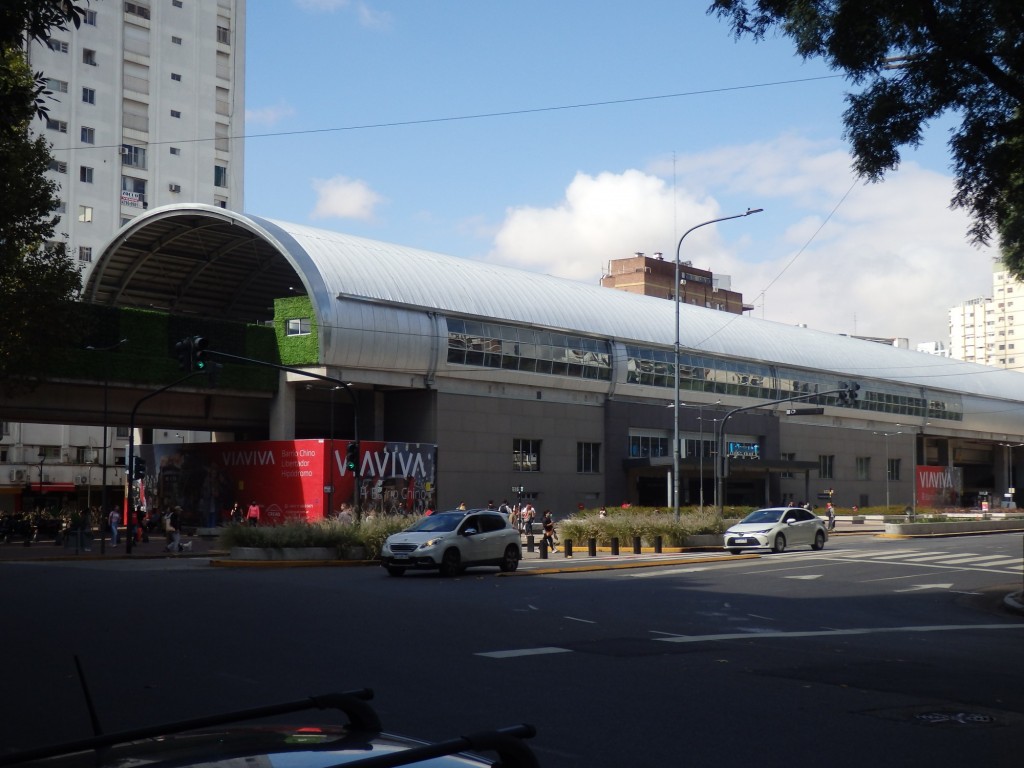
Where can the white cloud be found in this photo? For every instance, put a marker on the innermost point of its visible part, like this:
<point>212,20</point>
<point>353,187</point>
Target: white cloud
<point>344,198</point>
<point>888,260</point>
<point>367,16</point>
<point>267,116</point>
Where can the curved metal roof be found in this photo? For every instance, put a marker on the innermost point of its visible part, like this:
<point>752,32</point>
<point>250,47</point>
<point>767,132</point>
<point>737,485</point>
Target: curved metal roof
<point>207,260</point>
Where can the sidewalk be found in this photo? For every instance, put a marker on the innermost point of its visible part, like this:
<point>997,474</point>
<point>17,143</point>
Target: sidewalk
<point>96,550</point>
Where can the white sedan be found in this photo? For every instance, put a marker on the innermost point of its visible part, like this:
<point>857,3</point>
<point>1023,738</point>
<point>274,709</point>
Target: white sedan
<point>776,528</point>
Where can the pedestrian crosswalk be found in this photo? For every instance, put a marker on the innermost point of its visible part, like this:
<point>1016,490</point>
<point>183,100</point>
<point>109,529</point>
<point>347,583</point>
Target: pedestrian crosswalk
<point>1003,562</point>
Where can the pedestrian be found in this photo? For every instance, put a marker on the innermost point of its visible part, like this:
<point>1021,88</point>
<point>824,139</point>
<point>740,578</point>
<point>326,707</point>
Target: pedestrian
<point>114,519</point>
<point>549,531</point>
<point>253,514</point>
<point>236,513</point>
<point>531,513</point>
<point>506,510</point>
<point>602,513</point>
<point>174,530</point>
<point>830,512</point>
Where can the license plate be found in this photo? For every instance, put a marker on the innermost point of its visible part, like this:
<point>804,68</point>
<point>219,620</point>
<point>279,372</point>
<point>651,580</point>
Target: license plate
<point>401,557</point>
<point>741,541</point>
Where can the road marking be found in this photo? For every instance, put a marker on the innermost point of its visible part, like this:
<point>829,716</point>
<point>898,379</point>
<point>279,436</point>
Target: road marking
<point>834,632</point>
<point>585,621</point>
<point>523,652</point>
<point>918,587</point>
<point>667,572</point>
<point>805,578</point>
<point>976,560</point>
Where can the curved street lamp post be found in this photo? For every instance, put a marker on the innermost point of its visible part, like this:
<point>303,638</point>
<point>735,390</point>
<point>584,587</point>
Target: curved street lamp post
<point>676,485</point>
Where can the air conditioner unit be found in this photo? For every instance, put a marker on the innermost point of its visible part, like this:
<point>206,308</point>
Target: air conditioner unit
<point>81,479</point>
<point>174,187</point>
<point>46,478</point>
<point>17,475</point>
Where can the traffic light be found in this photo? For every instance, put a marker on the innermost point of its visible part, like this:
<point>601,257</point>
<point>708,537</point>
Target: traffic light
<point>199,345</point>
<point>183,351</point>
<point>138,468</point>
<point>848,392</point>
<point>352,457</point>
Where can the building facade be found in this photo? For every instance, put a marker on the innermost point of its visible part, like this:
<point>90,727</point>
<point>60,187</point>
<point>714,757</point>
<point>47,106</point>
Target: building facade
<point>563,392</point>
<point>653,276</point>
<point>147,99</point>
<point>990,330</point>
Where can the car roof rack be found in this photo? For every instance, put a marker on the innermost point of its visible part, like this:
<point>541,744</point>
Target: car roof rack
<point>507,743</point>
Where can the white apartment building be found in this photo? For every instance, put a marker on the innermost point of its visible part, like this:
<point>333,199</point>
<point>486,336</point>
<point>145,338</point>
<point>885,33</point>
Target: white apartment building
<point>990,331</point>
<point>148,109</point>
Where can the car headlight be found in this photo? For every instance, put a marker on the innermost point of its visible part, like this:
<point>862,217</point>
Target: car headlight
<point>430,543</point>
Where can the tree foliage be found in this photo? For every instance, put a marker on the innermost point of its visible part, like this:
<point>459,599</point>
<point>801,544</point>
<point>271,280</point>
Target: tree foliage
<point>914,60</point>
<point>39,282</point>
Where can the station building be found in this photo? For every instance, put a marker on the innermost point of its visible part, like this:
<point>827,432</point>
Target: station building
<point>538,387</point>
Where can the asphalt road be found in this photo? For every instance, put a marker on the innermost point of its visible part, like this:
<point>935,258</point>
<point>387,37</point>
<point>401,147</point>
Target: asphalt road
<point>871,651</point>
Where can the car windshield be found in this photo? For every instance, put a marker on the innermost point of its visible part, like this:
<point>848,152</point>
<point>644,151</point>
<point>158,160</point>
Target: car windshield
<point>445,521</point>
<point>763,516</point>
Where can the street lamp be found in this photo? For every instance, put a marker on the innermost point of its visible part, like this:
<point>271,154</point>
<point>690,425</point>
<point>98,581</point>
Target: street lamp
<point>42,458</point>
<point>106,386</point>
<point>888,473</point>
<point>675,431</point>
<point>1008,494</point>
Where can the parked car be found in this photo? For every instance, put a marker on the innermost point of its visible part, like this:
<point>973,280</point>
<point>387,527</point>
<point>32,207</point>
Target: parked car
<point>226,739</point>
<point>453,541</point>
<point>776,528</point>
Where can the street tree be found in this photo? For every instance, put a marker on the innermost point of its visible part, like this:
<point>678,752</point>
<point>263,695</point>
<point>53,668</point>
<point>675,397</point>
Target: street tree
<point>39,282</point>
<point>913,61</point>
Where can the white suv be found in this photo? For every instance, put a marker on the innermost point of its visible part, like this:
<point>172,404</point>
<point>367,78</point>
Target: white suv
<point>453,541</point>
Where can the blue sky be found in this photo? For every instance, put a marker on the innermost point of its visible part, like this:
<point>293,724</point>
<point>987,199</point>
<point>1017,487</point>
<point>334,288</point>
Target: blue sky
<point>556,136</point>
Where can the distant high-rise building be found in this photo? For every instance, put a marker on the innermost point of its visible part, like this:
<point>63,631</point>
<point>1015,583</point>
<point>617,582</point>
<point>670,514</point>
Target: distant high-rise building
<point>937,348</point>
<point>987,330</point>
<point>148,109</point>
<point>654,276</point>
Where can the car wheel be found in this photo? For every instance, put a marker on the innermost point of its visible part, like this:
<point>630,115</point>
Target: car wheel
<point>734,551</point>
<point>392,571</point>
<point>510,561</point>
<point>819,540</point>
<point>450,563</point>
<point>780,544</point>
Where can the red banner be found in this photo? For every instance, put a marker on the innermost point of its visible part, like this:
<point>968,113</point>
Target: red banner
<point>291,480</point>
<point>939,487</point>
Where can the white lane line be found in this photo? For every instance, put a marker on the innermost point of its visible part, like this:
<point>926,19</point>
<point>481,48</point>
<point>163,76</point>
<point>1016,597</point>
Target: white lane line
<point>523,652</point>
<point>977,560</point>
<point>666,572</point>
<point>940,556</point>
<point>585,621</point>
<point>834,632</point>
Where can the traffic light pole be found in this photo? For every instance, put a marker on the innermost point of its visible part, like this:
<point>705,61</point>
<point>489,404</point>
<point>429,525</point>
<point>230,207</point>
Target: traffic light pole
<point>319,377</point>
<point>847,393</point>
<point>129,463</point>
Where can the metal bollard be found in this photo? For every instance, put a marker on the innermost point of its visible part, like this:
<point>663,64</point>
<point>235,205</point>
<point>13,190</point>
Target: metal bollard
<point>592,547</point>
<point>529,543</point>
<point>615,546</point>
<point>636,545</point>
<point>568,547</point>
<point>543,550</point>
<point>657,545</point>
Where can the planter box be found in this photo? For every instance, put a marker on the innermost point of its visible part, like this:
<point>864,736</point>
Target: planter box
<point>284,553</point>
<point>967,526</point>
<point>704,540</point>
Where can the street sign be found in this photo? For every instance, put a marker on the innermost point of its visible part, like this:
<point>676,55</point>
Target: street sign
<point>804,411</point>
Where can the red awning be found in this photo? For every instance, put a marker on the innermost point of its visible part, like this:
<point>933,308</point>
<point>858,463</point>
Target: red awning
<point>51,487</point>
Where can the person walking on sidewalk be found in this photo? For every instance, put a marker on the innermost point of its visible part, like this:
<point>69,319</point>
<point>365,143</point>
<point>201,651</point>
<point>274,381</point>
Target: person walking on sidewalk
<point>830,512</point>
<point>114,519</point>
<point>253,514</point>
<point>549,531</point>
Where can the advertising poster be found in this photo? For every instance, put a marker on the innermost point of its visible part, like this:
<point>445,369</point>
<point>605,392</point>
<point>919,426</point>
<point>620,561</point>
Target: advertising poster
<point>939,487</point>
<point>291,480</point>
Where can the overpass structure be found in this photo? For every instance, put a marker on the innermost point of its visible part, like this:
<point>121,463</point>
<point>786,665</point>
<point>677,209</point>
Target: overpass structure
<point>534,386</point>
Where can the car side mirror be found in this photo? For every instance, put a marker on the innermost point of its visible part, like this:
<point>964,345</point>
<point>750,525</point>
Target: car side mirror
<point>469,532</point>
